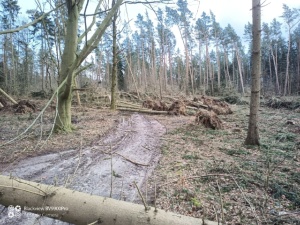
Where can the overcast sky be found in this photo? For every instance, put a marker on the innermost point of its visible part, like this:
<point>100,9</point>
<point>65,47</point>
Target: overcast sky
<point>234,12</point>
<point>238,12</point>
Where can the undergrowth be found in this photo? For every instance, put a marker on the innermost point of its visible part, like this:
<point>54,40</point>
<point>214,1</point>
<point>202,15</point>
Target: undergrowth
<point>212,174</point>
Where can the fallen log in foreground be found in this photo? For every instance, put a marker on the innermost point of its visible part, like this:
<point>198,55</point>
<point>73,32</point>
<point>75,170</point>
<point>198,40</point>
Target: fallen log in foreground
<point>82,208</point>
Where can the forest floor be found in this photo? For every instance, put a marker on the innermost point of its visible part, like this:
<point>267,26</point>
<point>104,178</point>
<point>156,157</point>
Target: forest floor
<point>201,172</point>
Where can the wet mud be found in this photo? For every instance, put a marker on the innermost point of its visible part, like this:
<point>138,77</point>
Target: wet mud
<point>128,154</point>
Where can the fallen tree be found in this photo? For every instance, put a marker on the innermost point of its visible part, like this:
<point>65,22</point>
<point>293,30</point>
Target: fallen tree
<point>82,208</point>
<point>7,96</point>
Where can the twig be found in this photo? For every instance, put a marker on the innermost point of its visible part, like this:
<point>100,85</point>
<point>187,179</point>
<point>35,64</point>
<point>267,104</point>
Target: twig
<point>143,200</point>
<point>129,160</point>
<point>155,207</point>
<point>79,160</point>
<point>221,203</point>
<point>195,177</point>
<point>111,172</point>
<point>121,193</point>
<point>21,182</point>
<point>241,190</point>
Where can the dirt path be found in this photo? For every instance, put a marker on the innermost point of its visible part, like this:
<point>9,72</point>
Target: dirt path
<point>91,170</point>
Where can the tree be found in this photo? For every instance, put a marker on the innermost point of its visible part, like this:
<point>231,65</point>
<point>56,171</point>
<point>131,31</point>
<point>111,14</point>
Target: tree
<point>181,18</point>
<point>71,59</point>
<point>9,14</point>
<point>114,74</point>
<point>253,135</point>
<point>216,30</point>
<point>289,16</point>
<point>203,29</point>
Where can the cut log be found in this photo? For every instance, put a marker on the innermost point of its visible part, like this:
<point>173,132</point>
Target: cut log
<point>82,208</point>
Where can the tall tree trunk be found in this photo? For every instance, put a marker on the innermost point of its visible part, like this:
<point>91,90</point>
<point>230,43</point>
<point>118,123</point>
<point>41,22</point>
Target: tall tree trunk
<point>240,69</point>
<point>5,64</point>
<point>219,66</point>
<point>113,103</point>
<point>208,71</point>
<point>170,67</point>
<point>153,59</point>
<point>13,68</point>
<point>253,135</point>
<point>298,66</point>
<point>270,82</point>
<point>63,120</point>
<point>287,76</point>
<point>200,63</point>
<point>274,57</point>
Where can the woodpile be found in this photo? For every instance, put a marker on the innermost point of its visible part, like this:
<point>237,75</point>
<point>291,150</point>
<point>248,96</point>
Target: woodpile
<point>209,119</point>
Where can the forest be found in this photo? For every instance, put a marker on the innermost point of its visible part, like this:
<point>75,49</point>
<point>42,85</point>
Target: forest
<point>165,119</point>
<point>213,58</point>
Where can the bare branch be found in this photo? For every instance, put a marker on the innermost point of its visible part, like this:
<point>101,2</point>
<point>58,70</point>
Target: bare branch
<point>129,2</point>
<point>91,25</point>
<point>31,23</point>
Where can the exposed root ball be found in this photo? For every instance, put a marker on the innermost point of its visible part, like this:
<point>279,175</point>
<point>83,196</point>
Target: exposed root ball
<point>24,106</point>
<point>177,108</point>
<point>155,105</point>
<point>218,106</point>
<point>209,119</point>
<point>148,104</point>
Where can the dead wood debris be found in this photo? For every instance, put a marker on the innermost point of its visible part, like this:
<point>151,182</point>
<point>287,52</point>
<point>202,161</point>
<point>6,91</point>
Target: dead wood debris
<point>24,106</point>
<point>209,119</point>
<point>177,108</point>
<point>234,99</point>
<point>218,106</point>
<point>155,105</point>
<point>277,103</point>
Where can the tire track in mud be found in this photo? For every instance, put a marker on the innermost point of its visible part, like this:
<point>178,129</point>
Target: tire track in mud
<point>89,169</point>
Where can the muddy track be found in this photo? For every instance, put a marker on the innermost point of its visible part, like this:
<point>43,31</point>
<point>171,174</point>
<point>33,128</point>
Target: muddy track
<point>119,158</point>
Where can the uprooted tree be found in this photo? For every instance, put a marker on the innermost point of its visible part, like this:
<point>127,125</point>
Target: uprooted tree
<point>81,208</point>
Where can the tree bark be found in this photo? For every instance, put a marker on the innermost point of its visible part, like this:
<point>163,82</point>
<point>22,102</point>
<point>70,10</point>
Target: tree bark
<point>253,135</point>
<point>287,75</point>
<point>82,208</point>
<point>240,68</point>
<point>113,104</point>
<point>71,59</point>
